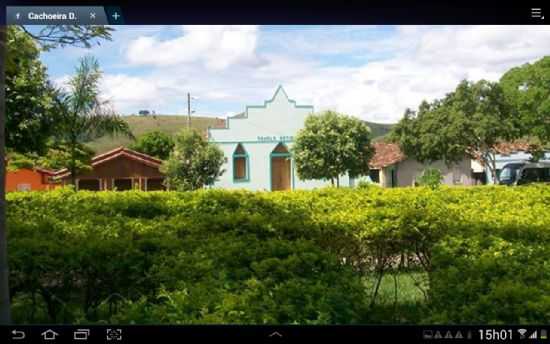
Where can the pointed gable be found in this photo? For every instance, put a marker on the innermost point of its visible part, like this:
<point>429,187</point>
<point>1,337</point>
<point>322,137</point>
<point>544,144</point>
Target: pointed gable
<point>279,118</point>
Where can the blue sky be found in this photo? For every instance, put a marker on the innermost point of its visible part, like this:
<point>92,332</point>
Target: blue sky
<point>372,72</point>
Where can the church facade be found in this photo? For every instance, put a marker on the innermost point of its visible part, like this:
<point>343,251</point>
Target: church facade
<point>257,145</point>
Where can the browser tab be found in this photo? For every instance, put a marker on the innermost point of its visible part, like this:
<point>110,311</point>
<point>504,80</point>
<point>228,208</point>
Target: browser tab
<point>55,15</point>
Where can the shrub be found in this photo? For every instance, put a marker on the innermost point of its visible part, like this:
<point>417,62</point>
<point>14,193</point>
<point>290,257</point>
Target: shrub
<point>307,257</point>
<point>430,177</point>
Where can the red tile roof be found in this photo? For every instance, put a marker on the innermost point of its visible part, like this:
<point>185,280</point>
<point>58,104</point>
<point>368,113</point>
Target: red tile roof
<point>386,154</point>
<point>44,171</point>
<point>507,148</point>
<point>115,153</point>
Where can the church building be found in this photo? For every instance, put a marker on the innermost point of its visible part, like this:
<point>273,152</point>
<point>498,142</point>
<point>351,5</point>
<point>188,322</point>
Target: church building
<point>257,145</point>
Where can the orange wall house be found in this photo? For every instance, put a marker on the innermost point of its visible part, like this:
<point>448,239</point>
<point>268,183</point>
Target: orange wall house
<point>26,179</point>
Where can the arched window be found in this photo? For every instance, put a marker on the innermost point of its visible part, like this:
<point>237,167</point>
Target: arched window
<point>240,165</point>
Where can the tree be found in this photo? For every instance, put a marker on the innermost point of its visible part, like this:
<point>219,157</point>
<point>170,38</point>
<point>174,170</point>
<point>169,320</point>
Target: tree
<point>30,105</point>
<point>193,163</point>
<point>83,115</point>
<point>58,35</point>
<point>467,122</point>
<point>60,156</point>
<point>527,89</point>
<point>155,143</point>
<point>330,145</point>
<point>55,158</point>
<point>53,36</point>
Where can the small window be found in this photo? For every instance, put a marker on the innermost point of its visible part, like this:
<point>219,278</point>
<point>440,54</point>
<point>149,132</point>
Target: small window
<point>122,184</point>
<point>240,164</point>
<point>24,187</point>
<point>507,173</point>
<point>89,184</point>
<point>374,176</point>
<point>534,175</point>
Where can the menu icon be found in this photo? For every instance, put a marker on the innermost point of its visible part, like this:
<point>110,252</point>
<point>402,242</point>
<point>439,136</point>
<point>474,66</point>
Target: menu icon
<point>536,13</point>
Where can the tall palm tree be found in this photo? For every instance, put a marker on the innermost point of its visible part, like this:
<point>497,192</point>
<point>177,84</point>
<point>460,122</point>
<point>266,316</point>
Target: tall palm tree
<point>83,115</point>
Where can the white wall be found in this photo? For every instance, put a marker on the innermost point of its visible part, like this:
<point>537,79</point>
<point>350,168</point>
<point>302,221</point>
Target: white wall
<point>458,174</point>
<point>259,132</point>
<point>259,169</point>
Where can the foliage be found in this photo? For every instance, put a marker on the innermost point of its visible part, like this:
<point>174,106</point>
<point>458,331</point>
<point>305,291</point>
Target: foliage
<point>193,163</point>
<point>18,161</point>
<point>30,105</point>
<point>467,122</point>
<point>527,88</point>
<point>55,158</point>
<point>155,143</point>
<point>83,36</point>
<point>367,184</point>
<point>331,145</point>
<point>430,177</point>
<point>83,115</point>
<point>491,279</point>
<point>329,256</point>
<point>60,156</point>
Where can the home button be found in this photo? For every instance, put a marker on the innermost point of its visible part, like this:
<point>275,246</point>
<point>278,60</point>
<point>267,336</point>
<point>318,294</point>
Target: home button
<point>49,334</point>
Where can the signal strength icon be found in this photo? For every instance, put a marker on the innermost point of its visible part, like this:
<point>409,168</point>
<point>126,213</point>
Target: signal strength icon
<point>522,332</point>
<point>533,335</point>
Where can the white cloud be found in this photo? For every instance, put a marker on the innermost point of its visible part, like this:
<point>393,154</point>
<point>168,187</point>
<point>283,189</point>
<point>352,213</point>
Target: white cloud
<point>218,47</point>
<point>426,63</point>
<point>62,82</point>
<point>225,65</point>
<point>127,92</point>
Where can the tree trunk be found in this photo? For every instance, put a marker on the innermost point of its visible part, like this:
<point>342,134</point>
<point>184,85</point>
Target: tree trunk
<point>332,181</point>
<point>5,314</point>
<point>338,181</point>
<point>490,161</point>
<point>494,164</point>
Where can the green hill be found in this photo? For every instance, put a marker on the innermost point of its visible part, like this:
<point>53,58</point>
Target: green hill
<point>140,125</point>
<point>171,124</point>
<point>379,129</point>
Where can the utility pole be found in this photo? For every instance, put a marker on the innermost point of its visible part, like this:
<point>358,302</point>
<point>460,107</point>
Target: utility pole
<point>188,110</point>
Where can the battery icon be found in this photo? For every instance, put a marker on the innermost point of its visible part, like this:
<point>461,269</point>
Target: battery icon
<point>543,334</point>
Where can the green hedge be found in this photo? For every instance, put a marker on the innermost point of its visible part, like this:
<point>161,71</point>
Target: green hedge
<point>330,256</point>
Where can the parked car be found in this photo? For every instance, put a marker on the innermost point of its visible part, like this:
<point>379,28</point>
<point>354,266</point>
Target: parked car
<point>525,173</point>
